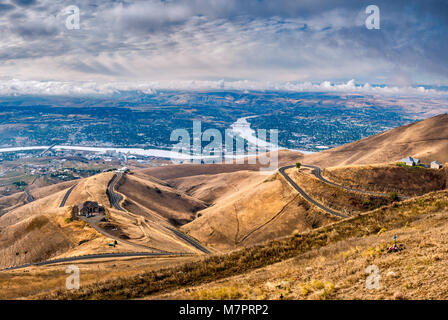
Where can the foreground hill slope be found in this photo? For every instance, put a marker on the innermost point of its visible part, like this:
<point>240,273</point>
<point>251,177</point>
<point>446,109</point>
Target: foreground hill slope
<point>342,268</point>
<point>426,140</point>
<point>328,262</point>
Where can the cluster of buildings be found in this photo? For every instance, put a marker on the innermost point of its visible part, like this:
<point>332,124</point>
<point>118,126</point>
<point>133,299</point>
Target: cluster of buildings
<point>409,161</point>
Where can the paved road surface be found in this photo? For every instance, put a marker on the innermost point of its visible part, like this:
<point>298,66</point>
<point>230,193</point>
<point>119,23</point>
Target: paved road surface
<point>317,172</point>
<point>305,195</point>
<point>67,195</point>
<point>189,240</point>
<point>115,199</point>
<point>96,256</point>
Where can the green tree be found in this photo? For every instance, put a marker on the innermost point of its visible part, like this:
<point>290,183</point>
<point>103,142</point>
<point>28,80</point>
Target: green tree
<point>298,165</point>
<point>20,183</point>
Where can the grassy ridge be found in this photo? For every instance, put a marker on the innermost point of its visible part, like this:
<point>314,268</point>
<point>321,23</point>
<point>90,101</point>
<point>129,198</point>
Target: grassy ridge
<point>245,260</point>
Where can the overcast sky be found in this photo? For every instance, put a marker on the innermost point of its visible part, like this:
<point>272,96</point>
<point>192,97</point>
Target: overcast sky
<point>255,40</point>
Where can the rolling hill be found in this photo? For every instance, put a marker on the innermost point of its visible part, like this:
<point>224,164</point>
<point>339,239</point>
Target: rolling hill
<point>238,213</point>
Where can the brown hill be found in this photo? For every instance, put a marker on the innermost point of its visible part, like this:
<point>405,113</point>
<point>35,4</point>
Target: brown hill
<point>408,181</point>
<point>426,140</point>
<point>18,199</point>
<point>42,230</point>
<point>169,172</point>
<point>37,231</point>
<point>176,207</point>
<point>252,209</point>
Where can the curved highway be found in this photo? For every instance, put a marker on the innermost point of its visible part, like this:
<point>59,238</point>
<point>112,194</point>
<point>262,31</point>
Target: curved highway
<point>67,194</point>
<point>305,195</point>
<point>103,232</point>
<point>115,199</point>
<point>191,241</point>
<point>317,172</point>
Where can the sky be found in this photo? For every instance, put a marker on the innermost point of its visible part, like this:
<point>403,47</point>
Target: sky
<point>211,42</point>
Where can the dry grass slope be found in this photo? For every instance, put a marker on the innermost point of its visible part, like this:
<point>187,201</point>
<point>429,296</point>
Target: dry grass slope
<point>263,209</point>
<point>408,181</point>
<point>173,205</point>
<point>239,262</point>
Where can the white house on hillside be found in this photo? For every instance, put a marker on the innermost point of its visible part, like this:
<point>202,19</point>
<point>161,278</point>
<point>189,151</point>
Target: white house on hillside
<point>435,165</point>
<point>411,161</point>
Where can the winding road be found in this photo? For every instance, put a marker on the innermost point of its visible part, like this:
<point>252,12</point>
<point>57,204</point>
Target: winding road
<point>304,194</point>
<point>317,172</point>
<point>115,198</point>
<point>67,194</point>
<point>103,232</point>
<point>188,239</point>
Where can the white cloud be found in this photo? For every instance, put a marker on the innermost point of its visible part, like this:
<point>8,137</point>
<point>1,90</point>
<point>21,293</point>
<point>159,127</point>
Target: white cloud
<point>32,87</point>
<point>282,40</point>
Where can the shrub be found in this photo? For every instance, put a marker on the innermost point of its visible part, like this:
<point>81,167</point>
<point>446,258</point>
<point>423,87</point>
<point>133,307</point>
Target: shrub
<point>366,203</point>
<point>393,196</point>
<point>298,165</point>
